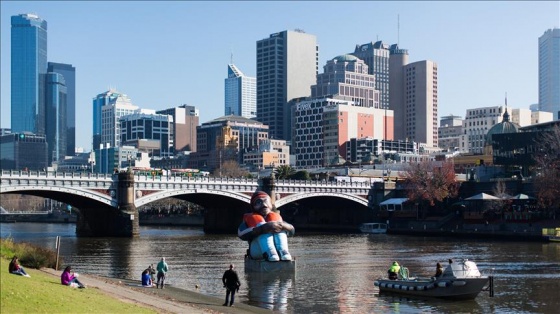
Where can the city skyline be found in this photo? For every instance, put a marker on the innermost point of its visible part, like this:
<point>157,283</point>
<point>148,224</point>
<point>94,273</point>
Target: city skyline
<point>178,56</point>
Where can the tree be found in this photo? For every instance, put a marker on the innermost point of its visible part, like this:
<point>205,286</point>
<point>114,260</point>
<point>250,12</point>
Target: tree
<point>547,160</point>
<point>428,182</point>
<point>230,169</point>
<point>284,172</point>
<point>301,175</point>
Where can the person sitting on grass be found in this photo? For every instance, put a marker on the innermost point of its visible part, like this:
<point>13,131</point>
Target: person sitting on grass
<point>15,268</point>
<point>70,279</point>
<point>147,279</point>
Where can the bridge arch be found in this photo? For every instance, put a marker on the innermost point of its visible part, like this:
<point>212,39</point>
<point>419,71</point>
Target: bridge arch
<point>43,190</point>
<point>294,197</point>
<point>143,200</point>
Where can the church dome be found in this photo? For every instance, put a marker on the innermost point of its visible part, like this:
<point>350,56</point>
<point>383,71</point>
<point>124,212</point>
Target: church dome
<point>503,127</point>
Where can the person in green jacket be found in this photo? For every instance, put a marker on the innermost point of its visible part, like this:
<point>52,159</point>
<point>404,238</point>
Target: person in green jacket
<point>394,271</point>
<point>161,272</point>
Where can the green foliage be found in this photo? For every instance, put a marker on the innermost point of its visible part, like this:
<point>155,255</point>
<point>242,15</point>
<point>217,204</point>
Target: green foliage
<point>284,172</point>
<point>43,293</point>
<point>29,255</point>
<point>301,175</point>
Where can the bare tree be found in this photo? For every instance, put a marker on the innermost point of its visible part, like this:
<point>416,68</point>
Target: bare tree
<point>547,160</point>
<point>230,169</point>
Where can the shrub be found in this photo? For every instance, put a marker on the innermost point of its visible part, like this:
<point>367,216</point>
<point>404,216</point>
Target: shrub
<point>29,255</point>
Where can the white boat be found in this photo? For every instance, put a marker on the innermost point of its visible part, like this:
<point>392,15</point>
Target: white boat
<point>551,234</point>
<point>373,227</point>
<point>459,281</point>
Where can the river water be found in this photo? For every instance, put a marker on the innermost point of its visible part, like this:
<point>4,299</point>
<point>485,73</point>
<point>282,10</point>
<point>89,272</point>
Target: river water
<point>335,272</point>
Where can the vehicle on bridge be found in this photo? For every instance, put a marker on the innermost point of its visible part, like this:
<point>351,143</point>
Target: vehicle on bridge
<point>189,173</point>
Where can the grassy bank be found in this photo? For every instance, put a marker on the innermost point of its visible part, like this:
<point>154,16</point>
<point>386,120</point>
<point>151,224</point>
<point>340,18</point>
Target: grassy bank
<point>43,293</point>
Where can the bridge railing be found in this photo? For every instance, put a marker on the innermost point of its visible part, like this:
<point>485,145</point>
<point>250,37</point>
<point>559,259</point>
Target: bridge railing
<point>55,174</point>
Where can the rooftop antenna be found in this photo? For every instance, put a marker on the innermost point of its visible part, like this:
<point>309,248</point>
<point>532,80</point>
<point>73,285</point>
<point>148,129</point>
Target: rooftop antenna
<point>231,57</point>
<point>398,29</point>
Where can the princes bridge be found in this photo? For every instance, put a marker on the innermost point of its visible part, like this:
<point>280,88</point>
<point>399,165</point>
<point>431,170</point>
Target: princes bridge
<point>108,203</point>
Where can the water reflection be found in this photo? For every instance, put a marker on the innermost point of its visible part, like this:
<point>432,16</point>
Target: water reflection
<point>270,291</point>
<point>335,273</point>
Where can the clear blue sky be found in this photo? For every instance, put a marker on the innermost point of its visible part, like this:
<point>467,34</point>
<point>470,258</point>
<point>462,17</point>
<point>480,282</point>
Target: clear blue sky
<point>164,54</point>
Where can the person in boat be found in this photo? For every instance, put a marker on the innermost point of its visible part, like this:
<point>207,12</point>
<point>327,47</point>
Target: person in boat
<point>265,230</point>
<point>394,271</point>
<point>439,270</point>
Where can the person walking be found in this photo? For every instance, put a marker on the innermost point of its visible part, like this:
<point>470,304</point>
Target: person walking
<point>231,283</point>
<point>161,272</point>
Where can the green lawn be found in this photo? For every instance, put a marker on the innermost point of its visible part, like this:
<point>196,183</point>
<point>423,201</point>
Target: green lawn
<point>43,293</point>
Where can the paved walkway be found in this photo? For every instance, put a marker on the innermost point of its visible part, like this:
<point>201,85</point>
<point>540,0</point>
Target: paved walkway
<point>168,300</point>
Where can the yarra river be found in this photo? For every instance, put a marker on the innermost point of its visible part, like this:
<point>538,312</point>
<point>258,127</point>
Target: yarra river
<point>335,272</point>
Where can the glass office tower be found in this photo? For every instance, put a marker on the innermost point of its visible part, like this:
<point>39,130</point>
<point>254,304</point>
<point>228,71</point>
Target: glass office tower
<point>56,116</point>
<point>240,94</point>
<point>69,74</point>
<point>549,72</point>
<point>29,66</point>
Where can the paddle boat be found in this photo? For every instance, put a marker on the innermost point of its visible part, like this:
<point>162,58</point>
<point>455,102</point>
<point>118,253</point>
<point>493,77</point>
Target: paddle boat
<point>459,281</point>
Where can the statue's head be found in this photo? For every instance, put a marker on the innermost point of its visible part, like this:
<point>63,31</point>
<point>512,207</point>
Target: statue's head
<point>261,203</point>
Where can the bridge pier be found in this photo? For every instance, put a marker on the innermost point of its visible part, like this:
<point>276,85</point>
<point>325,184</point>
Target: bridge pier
<point>107,221</point>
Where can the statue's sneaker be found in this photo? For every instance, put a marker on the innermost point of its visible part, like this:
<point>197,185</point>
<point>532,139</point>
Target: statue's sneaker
<point>285,256</point>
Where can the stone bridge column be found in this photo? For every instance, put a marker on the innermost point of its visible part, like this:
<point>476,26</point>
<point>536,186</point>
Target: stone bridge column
<point>128,214</point>
<point>269,186</point>
<point>97,220</point>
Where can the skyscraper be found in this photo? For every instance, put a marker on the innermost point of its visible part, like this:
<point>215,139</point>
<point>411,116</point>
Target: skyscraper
<point>376,56</point>
<point>56,129</point>
<point>28,69</point>
<point>108,107</point>
<point>287,65</point>
<point>549,72</point>
<point>69,74</point>
<point>185,121</point>
<point>420,111</point>
<point>397,60</point>
<point>240,94</point>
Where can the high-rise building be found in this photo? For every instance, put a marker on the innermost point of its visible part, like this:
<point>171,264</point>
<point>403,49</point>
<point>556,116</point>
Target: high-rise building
<point>549,72</point>
<point>185,120</point>
<point>224,139</point>
<point>413,98</point>
<point>421,103</point>
<point>449,132</point>
<point>108,107</point>
<point>28,68</point>
<point>240,94</point>
<point>56,129</point>
<point>69,74</point>
<point>23,151</point>
<point>376,56</point>
<point>287,65</point>
<point>147,127</point>
<point>397,60</point>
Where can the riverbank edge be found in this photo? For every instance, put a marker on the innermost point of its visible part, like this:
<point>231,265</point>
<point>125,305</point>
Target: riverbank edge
<point>168,300</point>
